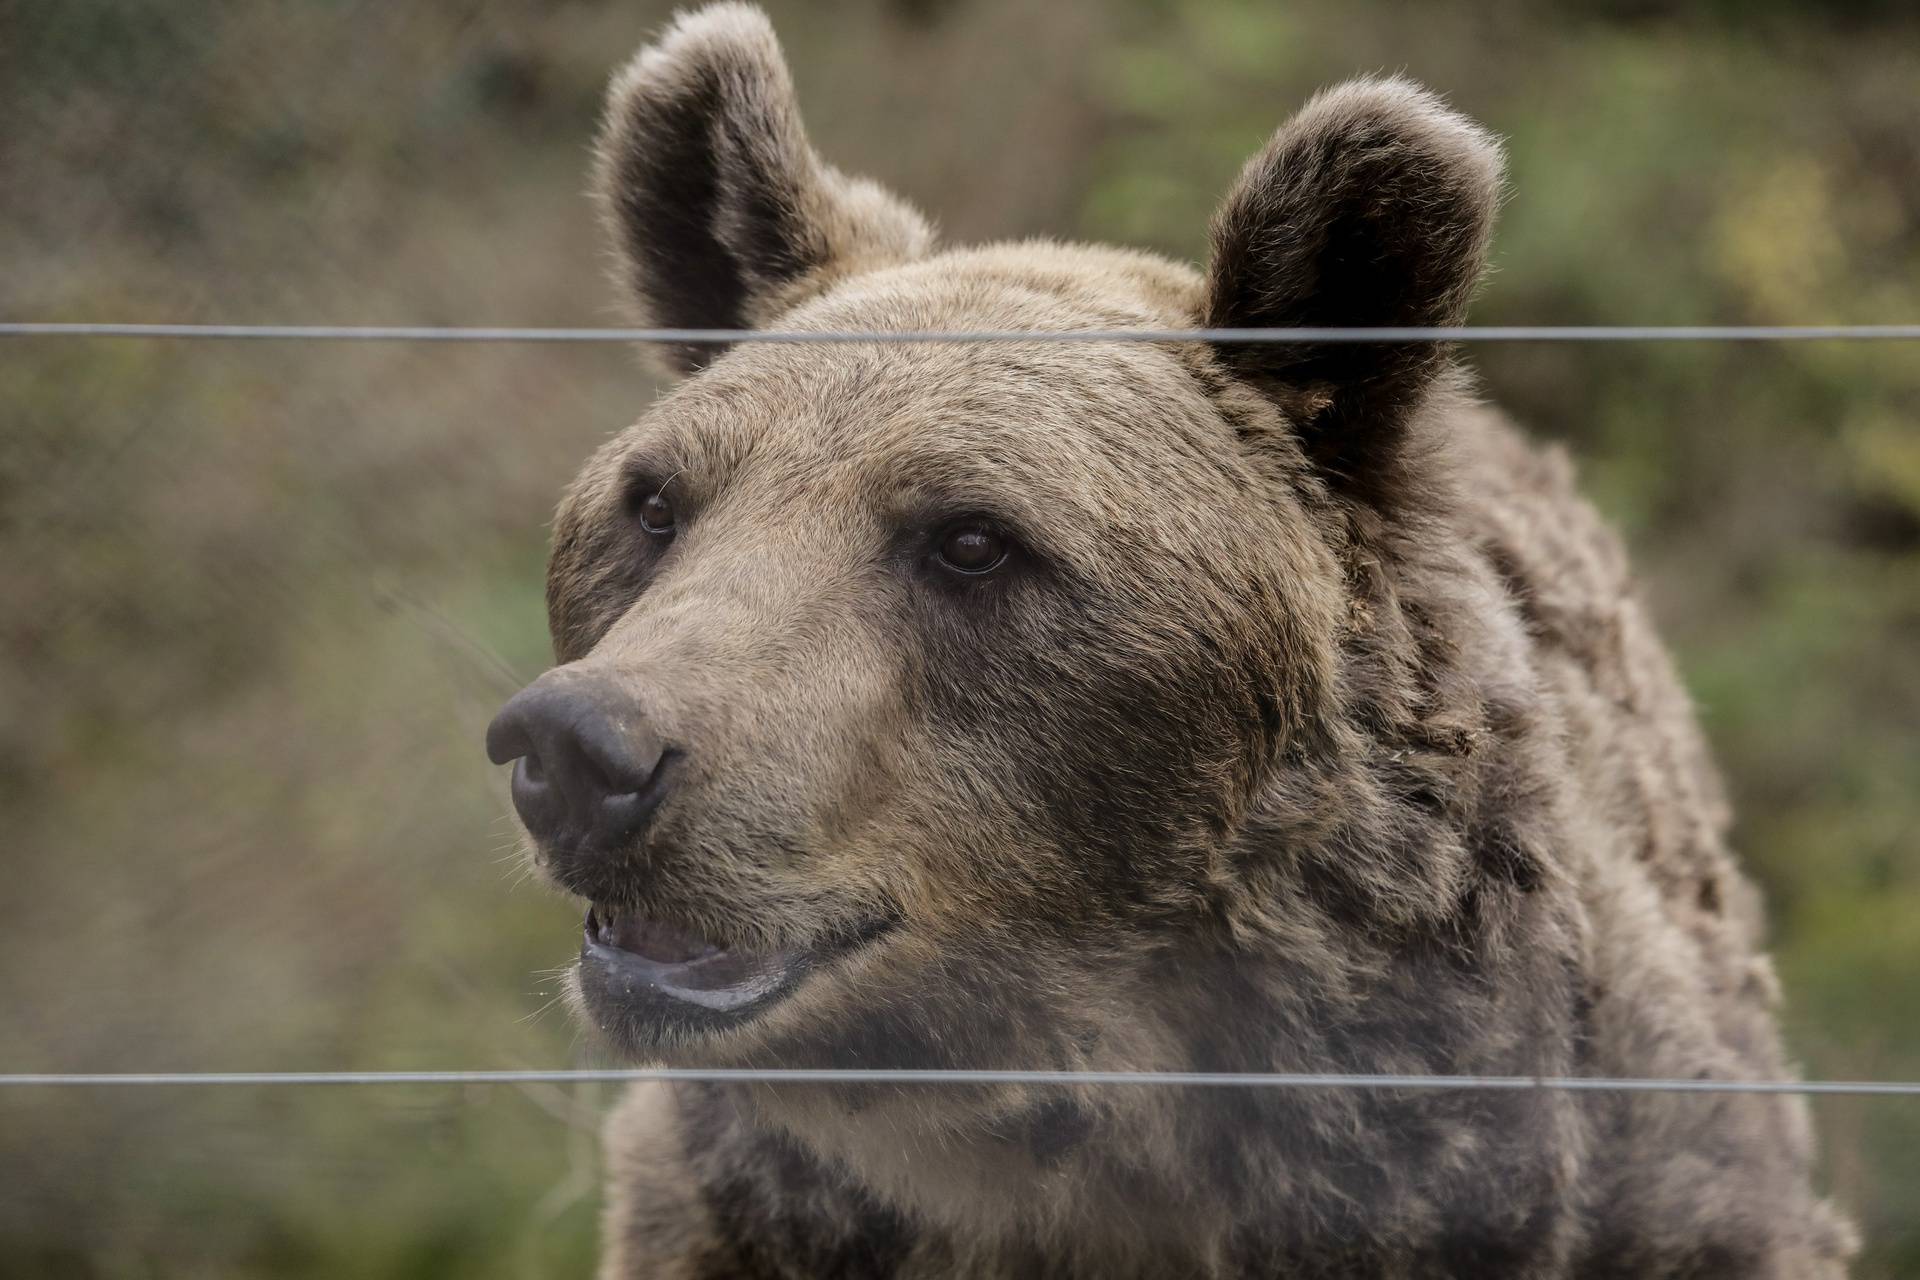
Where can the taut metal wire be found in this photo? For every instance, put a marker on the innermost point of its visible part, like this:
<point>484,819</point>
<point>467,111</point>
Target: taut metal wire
<point>864,1076</point>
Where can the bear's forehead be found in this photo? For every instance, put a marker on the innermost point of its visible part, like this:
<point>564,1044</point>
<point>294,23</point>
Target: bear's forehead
<point>1033,284</point>
<point>1045,413</point>
<point>1032,431</point>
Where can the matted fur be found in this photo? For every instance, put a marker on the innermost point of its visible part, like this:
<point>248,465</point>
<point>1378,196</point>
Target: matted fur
<point>1315,728</point>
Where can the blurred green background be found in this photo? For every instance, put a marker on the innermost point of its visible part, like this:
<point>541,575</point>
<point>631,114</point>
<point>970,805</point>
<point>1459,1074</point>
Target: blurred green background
<point>258,600</point>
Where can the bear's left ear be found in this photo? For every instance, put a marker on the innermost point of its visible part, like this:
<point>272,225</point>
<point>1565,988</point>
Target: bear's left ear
<point>720,212</point>
<point>1372,207</point>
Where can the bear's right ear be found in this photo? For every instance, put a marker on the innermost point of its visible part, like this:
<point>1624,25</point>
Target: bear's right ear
<point>720,212</point>
<point>1371,208</point>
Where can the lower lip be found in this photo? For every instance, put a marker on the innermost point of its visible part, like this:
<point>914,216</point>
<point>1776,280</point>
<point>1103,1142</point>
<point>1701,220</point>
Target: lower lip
<point>723,982</point>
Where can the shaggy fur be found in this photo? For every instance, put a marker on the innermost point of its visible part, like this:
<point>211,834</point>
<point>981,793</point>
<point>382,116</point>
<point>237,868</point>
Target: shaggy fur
<point>1312,726</point>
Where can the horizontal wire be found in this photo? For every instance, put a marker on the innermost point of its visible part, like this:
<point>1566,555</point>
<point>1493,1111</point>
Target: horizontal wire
<point>1336,335</point>
<point>744,1075</point>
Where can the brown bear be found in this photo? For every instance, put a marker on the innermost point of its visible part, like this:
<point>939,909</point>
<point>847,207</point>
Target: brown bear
<point>1165,705</point>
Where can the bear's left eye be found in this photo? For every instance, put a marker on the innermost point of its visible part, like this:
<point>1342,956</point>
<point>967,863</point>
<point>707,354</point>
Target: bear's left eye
<point>656,513</point>
<point>973,547</point>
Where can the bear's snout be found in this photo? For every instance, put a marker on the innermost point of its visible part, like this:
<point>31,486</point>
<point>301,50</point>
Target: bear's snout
<point>589,769</point>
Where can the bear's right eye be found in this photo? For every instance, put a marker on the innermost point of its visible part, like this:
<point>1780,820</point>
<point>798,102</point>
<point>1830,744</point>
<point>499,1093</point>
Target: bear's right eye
<point>656,513</point>
<point>973,548</point>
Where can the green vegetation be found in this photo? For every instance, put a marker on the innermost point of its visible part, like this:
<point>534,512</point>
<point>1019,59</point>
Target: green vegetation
<point>259,600</point>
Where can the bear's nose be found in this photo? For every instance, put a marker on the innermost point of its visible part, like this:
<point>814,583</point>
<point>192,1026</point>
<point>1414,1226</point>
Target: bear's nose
<point>588,770</point>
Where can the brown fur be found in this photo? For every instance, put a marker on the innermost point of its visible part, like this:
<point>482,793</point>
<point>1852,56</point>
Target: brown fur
<point>1314,727</point>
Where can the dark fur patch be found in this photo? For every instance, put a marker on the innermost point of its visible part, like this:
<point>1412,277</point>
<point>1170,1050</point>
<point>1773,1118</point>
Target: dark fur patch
<point>768,1237</point>
<point>781,1213</point>
<point>1054,1128</point>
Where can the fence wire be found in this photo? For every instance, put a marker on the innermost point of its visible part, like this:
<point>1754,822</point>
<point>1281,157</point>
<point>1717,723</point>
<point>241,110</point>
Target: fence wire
<point>916,1076</point>
<point>1328,335</point>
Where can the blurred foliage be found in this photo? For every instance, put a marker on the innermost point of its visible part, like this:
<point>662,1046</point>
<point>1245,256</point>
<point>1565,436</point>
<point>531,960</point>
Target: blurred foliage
<point>260,599</point>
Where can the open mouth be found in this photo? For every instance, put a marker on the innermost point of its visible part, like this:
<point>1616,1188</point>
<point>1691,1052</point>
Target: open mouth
<point>637,962</point>
<point>646,982</point>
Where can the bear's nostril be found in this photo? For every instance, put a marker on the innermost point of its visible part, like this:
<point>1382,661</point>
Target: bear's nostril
<point>620,812</point>
<point>626,801</point>
<point>537,803</point>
